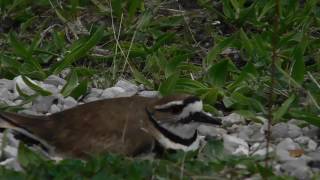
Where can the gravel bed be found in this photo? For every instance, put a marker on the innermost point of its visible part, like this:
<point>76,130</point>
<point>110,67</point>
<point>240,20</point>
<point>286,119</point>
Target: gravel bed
<point>294,146</point>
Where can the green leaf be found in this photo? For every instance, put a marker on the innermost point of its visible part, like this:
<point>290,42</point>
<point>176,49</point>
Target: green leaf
<point>245,41</point>
<point>284,108</point>
<point>21,93</point>
<point>35,87</point>
<point>248,101</point>
<point>190,86</point>
<point>139,77</point>
<point>27,158</point>
<point>298,69</point>
<point>117,7</point>
<point>305,116</point>
<point>248,72</point>
<point>25,54</point>
<point>217,73</point>
<point>80,90</point>
<point>79,51</point>
<point>134,6</point>
<point>266,8</point>
<point>162,40</point>
<point>172,66</point>
<point>212,54</point>
<point>71,84</point>
<point>168,86</point>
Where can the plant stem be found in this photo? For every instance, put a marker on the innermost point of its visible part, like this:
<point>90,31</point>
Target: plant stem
<point>272,74</point>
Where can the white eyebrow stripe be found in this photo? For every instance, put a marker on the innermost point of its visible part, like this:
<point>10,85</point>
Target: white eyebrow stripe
<point>194,107</point>
<point>169,104</point>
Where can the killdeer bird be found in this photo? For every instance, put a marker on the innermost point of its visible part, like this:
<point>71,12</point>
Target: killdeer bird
<point>126,125</point>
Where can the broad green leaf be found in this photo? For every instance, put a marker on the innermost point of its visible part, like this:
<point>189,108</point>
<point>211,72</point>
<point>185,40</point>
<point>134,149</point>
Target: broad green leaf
<point>306,116</point>
<point>266,8</point>
<point>80,90</point>
<point>217,73</point>
<point>35,87</point>
<point>144,20</point>
<point>79,52</point>
<point>72,83</point>
<point>27,158</point>
<point>168,86</point>
<point>245,41</point>
<point>189,86</point>
<point>162,40</point>
<point>212,54</point>
<point>172,65</point>
<point>117,7</point>
<point>134,6</point>
<point>25,54</point>
<point>211,96</point>
<point>248,101</point>
<point>283,108</point>
<point>248,72</point>
<point>21,93</point>
<point>139,77</point>
<point>298,69</point>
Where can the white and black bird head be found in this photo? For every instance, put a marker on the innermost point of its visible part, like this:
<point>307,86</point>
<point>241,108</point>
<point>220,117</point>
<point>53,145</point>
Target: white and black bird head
<point>177,119</point>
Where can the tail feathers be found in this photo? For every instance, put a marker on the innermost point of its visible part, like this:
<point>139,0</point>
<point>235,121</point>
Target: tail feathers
<point>11,121</point>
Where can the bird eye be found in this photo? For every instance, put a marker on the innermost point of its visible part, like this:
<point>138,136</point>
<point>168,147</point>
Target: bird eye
<point>176,109</point>
<point>172,109</point>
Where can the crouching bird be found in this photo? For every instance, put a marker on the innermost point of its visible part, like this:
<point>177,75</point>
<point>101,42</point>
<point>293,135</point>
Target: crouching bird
<point>126,125</point>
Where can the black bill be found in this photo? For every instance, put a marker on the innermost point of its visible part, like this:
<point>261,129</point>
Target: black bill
<point>201,117</point>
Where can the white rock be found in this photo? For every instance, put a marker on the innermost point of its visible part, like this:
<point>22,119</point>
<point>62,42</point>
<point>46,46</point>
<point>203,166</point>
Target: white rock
<point>6,84</point>
<point>42,104</point>
<point>114,92</point>
<point>245,132</point>
<point>263,151</point>
<point>231,119</point>
<point>294,131</point>
<point>314,156</point>
<point>297,168</point>
<point>7,102</point>
<point>311,131</point>
<point>27,106</point>
<point>29,112</point>
<point>312,145</point>
<point>55,80</point>
<point>303,140</point>
<point>252,132</point>
<point>11,163</point>
<point>211,131</point>
<point>279,130</point>
<point>4,94</point>
<point>69,102</point>
<point>149,93</point>
<point>283,148</point>
<point>90,99</point>
<point>127,86</point>
<point>10,151</point>
<point>94,92</point>
<point>12,141</point>
<point>54,109</point>
<point>18,101</point>
<point>235,146</point>
<point>51,88</point>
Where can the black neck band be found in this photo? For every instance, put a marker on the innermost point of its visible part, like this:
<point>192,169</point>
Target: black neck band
<point>173,137</point>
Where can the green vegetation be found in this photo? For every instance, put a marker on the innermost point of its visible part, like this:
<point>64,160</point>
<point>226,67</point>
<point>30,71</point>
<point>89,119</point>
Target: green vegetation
<point>169,47</point>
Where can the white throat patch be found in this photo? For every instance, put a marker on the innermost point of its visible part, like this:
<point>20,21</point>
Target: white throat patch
<point>168,144</point>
